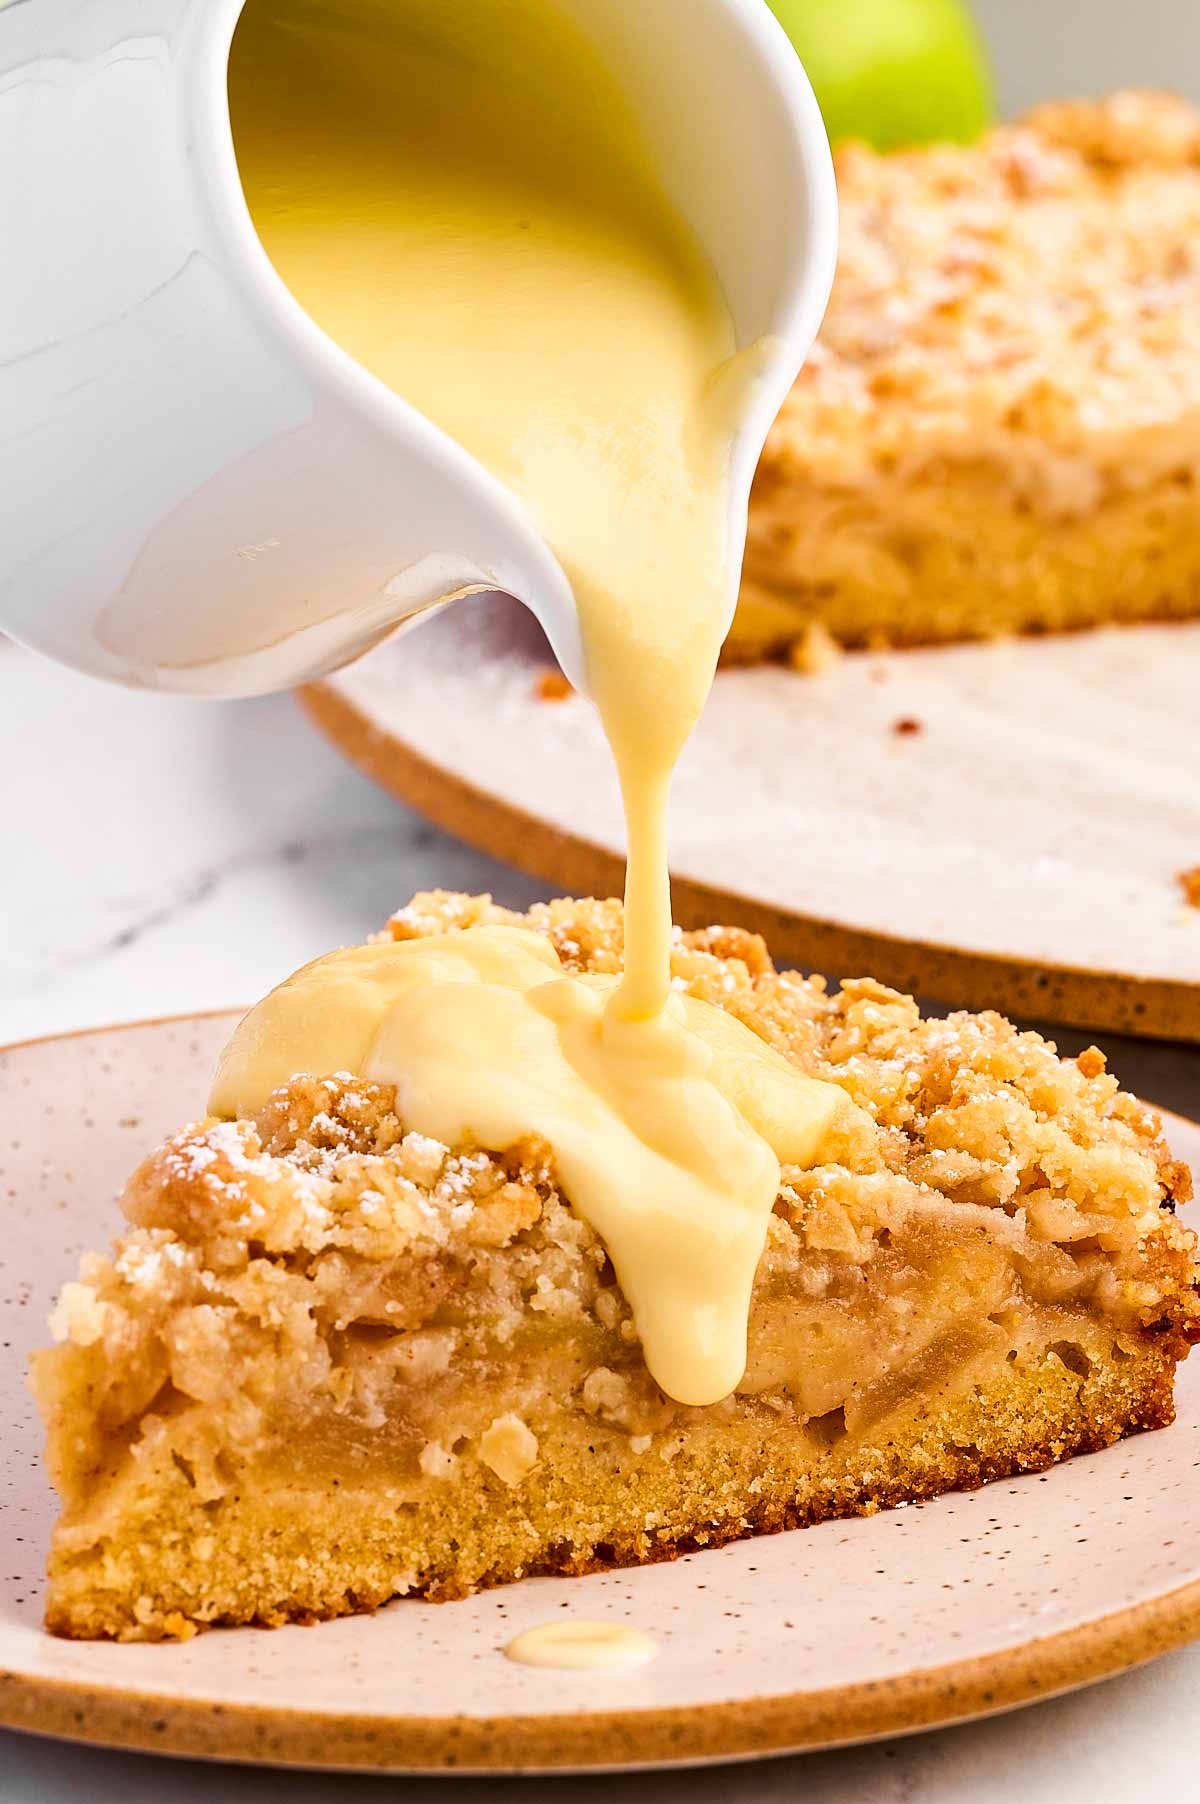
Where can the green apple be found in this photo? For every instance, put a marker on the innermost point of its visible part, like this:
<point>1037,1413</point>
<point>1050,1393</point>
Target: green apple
<point>892,71</point>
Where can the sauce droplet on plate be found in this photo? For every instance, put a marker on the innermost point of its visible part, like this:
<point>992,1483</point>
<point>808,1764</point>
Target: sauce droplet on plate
<point>582,1646</point>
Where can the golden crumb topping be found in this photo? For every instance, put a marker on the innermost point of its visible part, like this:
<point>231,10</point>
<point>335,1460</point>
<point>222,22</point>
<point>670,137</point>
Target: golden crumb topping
<point>964,1111</point>
<point>1035,290</point>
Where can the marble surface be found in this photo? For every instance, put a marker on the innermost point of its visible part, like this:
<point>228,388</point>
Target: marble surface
<point>162,856</point>
<point>166,855</point>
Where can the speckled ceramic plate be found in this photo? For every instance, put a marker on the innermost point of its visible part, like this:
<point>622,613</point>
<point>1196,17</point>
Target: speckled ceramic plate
<point>1001,824</point>
<point>835,1634</point>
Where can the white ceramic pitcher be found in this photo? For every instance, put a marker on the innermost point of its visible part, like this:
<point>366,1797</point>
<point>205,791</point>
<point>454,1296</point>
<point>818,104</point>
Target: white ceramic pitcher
<point>199,491</point>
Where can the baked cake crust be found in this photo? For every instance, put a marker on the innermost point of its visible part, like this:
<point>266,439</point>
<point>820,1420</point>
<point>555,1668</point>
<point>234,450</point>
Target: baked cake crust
<point>332,1361</point>
<point>999,427</point>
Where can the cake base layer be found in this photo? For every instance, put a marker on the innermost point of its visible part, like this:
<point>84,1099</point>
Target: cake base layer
<point>949,558</point>
<point>286,1548</point>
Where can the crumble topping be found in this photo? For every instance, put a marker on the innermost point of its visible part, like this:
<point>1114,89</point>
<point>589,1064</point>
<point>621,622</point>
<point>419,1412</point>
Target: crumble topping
<point>1034,289</point>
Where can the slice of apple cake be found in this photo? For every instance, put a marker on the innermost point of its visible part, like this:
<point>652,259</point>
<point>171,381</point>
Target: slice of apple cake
<point>331,1361</point>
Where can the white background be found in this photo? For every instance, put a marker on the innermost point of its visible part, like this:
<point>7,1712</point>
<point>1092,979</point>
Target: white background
<point>1043,48</point>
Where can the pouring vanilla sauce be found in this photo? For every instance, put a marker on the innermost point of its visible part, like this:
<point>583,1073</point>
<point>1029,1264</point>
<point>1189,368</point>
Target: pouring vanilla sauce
<point>499,252</point>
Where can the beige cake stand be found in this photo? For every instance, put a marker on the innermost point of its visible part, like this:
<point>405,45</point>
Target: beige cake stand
<point>995,825</point>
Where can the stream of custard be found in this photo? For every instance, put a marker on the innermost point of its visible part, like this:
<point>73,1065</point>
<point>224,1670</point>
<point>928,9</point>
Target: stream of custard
<point>460,196</point>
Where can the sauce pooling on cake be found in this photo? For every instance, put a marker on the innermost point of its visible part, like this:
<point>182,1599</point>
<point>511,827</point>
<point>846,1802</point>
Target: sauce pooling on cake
<point>667,1133</point>
<point>500,253</point>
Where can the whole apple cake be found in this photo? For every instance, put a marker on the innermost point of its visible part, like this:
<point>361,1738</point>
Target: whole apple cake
<point>998,430</point>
